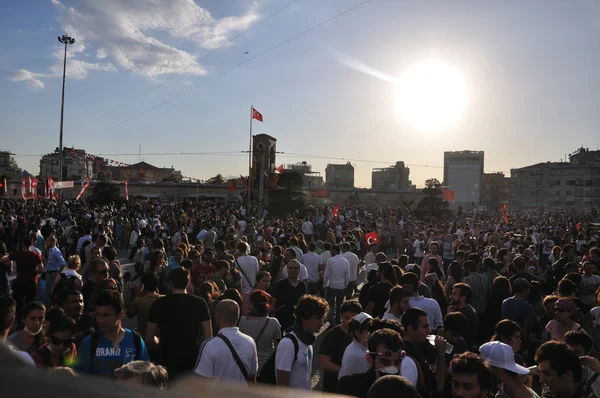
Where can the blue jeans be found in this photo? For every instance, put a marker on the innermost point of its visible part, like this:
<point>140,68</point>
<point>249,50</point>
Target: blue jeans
<point>335,298</point>
<point>314,288</point>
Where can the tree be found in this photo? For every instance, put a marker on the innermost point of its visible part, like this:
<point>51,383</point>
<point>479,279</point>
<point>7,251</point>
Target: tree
<point>218,179</point>
<point>433,204</point>
<point>104,193</point>
<point>288,197</point>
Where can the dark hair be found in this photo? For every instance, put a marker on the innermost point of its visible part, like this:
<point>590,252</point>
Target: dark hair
<point>336,249</point>
<point>505,329</point>
<point>309,306</point>
<point>180,278</point>
<point>469,363</point>
<point>219,265</point>
<point>312,246</point>
<point>260,301</point>
<point>456,322</point>
<point>32,306</point>
<point>232,294</point>
<point>206,291</point>
<point>387,270</point>
<point>566,288</point>
<point>460,253</point>
<point>355,328</point>
<point>97,262</point>
<point>470,265</point>
<point>455,270</point>
<point>387,337</point>
<point>397,293</point>
<point>488,262</point>
<point>392,386</point>
<point>8,308</point>
<point>578,337</point>
<point>411,317</point>
<point>150,281</point>
<point>410,280</point>
<point>220,246</point>
<point>501,288</point>
<point>110,298</point>
<point>465,290</point>
<point>110,253</point>
<point>350,306</point>
<point>186,264</point>
<point>62,323</point>
<point>372,276</point>
<point>560,357</point>
<point>379,324</point>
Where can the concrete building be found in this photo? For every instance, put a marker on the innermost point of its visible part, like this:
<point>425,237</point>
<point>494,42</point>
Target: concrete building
<point>77,165</point>
<point>141,171</point>
<point>395,177</point>
<point>7,163</point>
<point>463,173</point>
<point>339,175</point>
<point>310,178</point>
<point>572,187</point>
<point>496,190</point>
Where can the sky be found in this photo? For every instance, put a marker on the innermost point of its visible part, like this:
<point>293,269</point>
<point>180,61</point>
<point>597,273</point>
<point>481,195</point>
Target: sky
<point>164,74</point>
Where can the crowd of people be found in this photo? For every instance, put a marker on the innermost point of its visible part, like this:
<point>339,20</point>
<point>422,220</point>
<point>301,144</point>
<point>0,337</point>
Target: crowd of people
<point>470,307</point>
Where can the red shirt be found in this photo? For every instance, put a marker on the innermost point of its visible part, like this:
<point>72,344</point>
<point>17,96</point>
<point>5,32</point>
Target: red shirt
<point>202,273</point>
<point>27,264</point>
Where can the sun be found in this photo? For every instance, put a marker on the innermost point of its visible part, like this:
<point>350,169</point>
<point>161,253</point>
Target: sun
<point>431,95</point>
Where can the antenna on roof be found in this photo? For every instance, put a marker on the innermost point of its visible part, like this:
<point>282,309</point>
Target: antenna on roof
<point>140,154</point>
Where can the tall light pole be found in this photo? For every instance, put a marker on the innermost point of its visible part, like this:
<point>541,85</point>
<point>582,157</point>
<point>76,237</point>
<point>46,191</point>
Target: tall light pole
<point>66,40</point>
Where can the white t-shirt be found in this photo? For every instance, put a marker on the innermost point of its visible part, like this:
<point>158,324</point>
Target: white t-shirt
<point>354,361</point>
<point>353,261</point>
<point>417,245</point>
<point>301,369</point>
<point>410,371</point>
<point>303,276</point>
<point>242,226</point>
<point>249,264</point>
<point>547,245</point>
<point>392,317</point>
<point>312,261</point>
<point>431,307</point>
<point>216,360</point>
<point>326,255</point>
<point>587,288</point>
<point>307,228</point>
<point>370,267</point>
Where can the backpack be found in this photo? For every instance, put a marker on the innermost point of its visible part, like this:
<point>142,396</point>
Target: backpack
<point>95,339</point>
<point>268,373</point>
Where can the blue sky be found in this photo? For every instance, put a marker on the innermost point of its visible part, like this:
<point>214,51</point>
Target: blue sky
<point>530,71</point>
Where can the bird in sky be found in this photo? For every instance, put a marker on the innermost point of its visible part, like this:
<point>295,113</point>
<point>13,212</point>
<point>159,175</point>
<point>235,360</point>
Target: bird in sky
<point>246,52</point>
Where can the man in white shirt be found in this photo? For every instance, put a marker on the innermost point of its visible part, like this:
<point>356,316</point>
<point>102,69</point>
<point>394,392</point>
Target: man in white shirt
<point>87,236</point>
<point>379,258</point>
<point>337,277</point>
<point>312,262</point>
<point>307,229</point>
<point>293,367</point>
<point>294,247</point>
<point>353,261</point>
<point>433,247</point>
<point>248,267</point>
<point>230,355</point>
<point>419,245</point>
<point>326,255</point>
<point>289,255</point>
<point>399,302</point>
<point>410,281</point>
<point>370,256</point>
<point>8,310</point>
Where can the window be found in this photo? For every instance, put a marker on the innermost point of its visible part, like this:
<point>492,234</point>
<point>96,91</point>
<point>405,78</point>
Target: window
<point>570,182</point>
<point>568,193</point>
<point>589,183</point>
<point>579,192</point>
<point>555,183</point>
<point>588,194</point>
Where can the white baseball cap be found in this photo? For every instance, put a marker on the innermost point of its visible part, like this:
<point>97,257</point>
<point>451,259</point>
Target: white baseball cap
<point>501,356</point>
<point>363,316</point>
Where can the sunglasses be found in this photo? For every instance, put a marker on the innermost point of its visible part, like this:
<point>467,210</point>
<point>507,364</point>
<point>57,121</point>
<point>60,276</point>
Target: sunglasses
<point>561,309</point>
<point>57,341</point>
<point>105,272</point>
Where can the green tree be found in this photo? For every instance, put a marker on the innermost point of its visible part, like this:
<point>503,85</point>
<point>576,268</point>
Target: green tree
<point>104,193</point>
<point>433,204</point>
<point>218,179</point>
<point>287,197</point>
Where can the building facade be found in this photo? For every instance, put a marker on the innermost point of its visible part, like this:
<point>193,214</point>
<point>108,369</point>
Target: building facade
<point>8,164</point>
<point>310,178</point>
<point>463,174</point>
<point>496,190</point>
<point>395,177</point>
<point>339,175</point>
<point>77,165</point>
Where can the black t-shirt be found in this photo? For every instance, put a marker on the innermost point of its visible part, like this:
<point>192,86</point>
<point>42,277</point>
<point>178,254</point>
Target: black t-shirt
<point>472,325</point>
<point>87,291</point>
<point>287,297</point>
<point>179,318</point>
<point>334,344</point>
<point>357,385</point>
<point>379,294</point>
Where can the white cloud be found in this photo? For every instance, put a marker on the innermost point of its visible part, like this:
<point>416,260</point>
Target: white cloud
<point>129,35</point>
<point>30,78</point>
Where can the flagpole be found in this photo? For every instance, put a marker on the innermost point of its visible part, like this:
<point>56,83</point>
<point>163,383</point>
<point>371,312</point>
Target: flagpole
<point>250,162</point>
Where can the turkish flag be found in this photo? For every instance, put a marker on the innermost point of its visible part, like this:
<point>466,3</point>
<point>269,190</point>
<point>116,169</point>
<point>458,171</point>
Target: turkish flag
<point>280,169</point>
<point>336,211</point>
<point>449,195</point>
<point>372,238</point>
<point>256,115</point>
<point>232,186</point>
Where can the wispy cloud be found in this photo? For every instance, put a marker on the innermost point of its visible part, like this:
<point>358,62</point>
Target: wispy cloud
<point>124,35</point>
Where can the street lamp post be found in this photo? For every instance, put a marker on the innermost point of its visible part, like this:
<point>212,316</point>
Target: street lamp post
<point>66,40</point>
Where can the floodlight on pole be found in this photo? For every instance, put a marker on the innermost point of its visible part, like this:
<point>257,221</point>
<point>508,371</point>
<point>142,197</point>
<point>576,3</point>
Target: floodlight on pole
<point>66,40</point>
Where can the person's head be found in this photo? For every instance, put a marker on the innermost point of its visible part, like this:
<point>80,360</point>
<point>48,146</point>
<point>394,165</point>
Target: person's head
<point>434,247</point>
<point>99,268</point>
<point>410,282</point>
<point>392,386</point>
<point>461,256</point>
<point>387,273</point>
<point>559,367</point>
<point>470,266</point>
<point>259,302</point>
<point>109,310</point>
<point>293,269</point>
<point>60,334</point>
<point>399,299</point>
<point>501,288</point>
<point>74,262</point>
<point>289,255</point>
<point>221,268</point>
<point>150,280</point>
<point>8,309</point>
<point>187,264</point>
<point>579,341</point>
<point>471,377</point>
<point>95,253</point>
<point>263,280</point>
<point>416,325</point>
<point>455,326</point>
<point>349,309</point>
<point>521,287</point>
<point>549,302</point>
<point>461,294</point>
<point>386,352</point>
<point>589,268</point>
<point>71,302</point>
<point>34,314</point>
<point>345,247</point>
<point>179,278</point>
<point>335,250</point>
<point>143,373</point>
<point>227,313</point>
<point>508,332</point>
<point>208,256</point>
<point>565,309</point>
<point>455,270</point>
<point>178,255</point>
<point>567,288</point>
<point>372,277</point>
<point>310,311</point>
<point>110,253</point>
<point>358,327</point>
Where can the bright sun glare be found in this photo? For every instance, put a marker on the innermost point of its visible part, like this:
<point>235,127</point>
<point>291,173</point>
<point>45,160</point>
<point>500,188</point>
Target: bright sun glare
<point>431,95</point>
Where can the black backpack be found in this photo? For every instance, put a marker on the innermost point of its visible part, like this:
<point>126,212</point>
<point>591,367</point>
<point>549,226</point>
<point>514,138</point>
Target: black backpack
<point>95,339</point>
<point>268,373</point>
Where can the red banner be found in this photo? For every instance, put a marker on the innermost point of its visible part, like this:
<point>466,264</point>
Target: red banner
<point>34,184</point>
<point>505,213</point>
<point>322,193</point>
<point>336,211</point>
<point>126,189</point>
<point>5,188</point>
<point>24,188</point>
<point>449,195</point>
<point>87,184</point>
<point>372,238</point>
